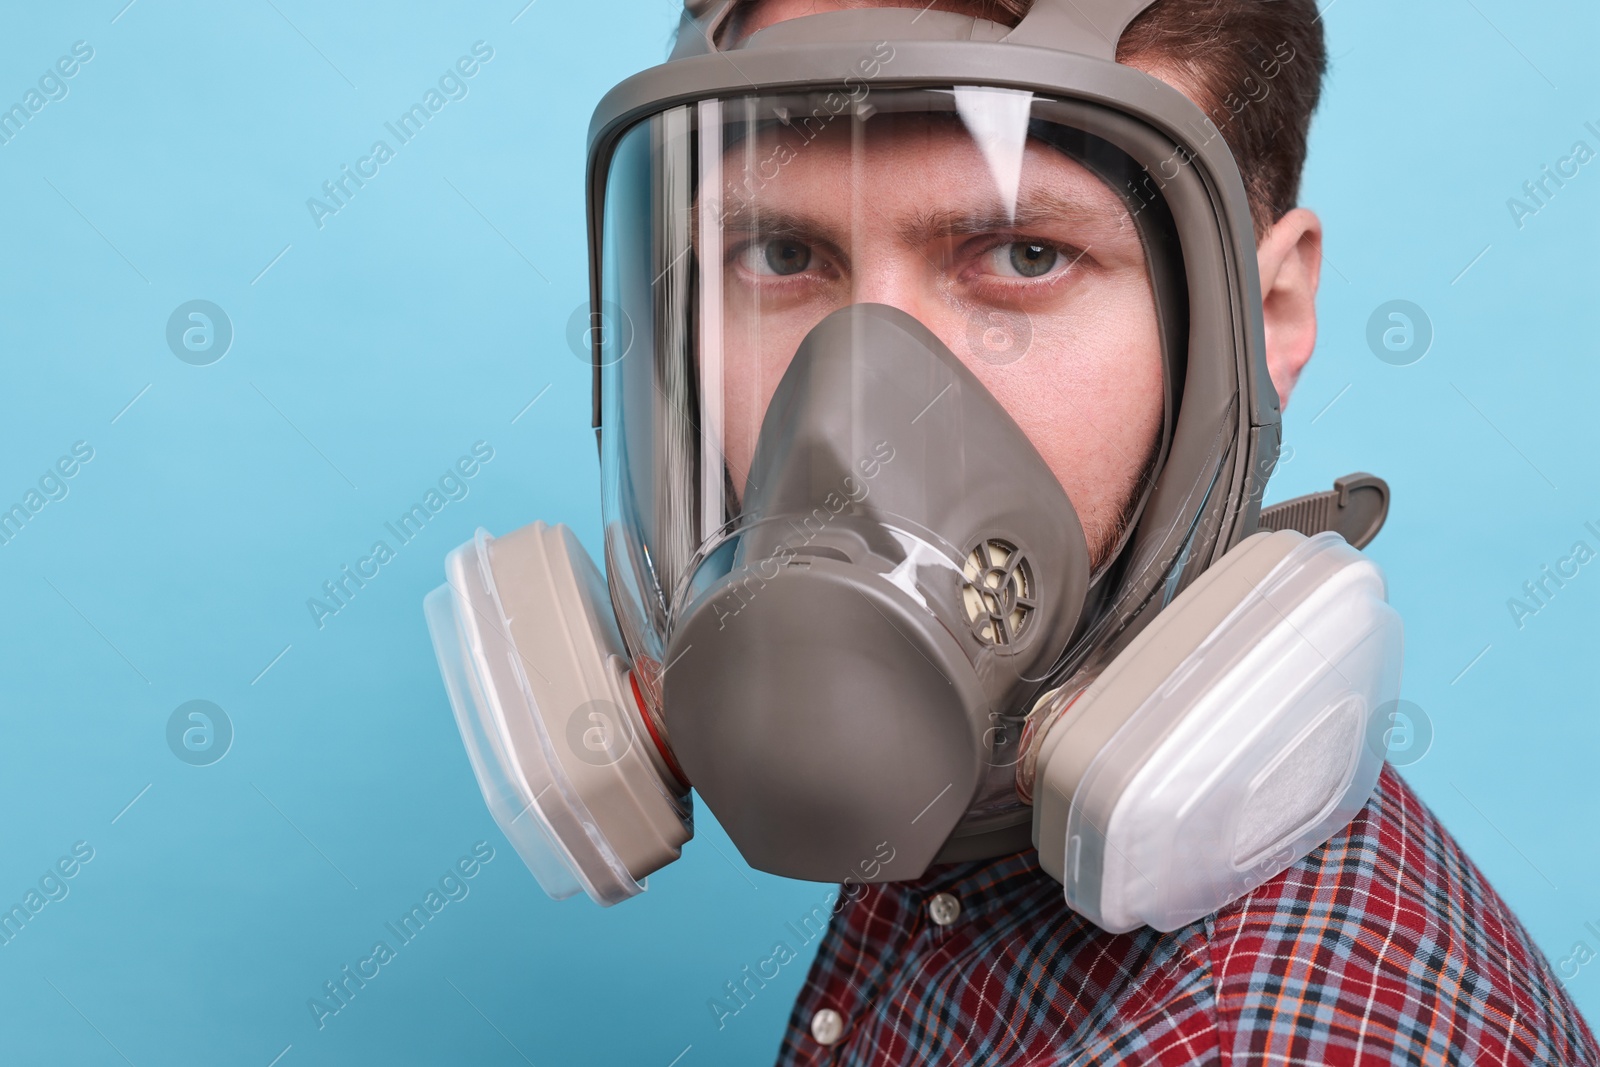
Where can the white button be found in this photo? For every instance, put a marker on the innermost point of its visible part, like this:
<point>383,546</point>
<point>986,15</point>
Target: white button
<point>944,909</point>
<point>826,1026</point>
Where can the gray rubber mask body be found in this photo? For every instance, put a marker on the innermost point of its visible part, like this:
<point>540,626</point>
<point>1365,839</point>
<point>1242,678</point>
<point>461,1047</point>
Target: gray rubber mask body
<point>907,571</point>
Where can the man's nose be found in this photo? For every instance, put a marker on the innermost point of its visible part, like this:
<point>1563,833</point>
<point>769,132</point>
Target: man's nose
<point>903,282</point>
<point>912,284</point>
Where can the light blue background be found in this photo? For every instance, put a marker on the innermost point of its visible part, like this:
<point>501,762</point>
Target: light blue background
<point>425,316</point>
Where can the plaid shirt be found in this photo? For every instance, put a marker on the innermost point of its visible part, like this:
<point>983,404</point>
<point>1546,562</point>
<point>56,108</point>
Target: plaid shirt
<point>1384,946</point>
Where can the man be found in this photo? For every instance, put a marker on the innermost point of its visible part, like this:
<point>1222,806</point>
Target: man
<point>935,408</point>
<point>1384,946</point>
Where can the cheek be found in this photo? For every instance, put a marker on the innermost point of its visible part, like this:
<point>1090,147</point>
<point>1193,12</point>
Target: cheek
<point>753,362</point>
<point>1089,397</point>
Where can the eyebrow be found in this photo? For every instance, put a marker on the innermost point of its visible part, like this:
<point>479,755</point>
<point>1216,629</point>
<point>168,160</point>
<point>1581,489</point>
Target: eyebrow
<point>1035,209</point>
<point>774,224</point>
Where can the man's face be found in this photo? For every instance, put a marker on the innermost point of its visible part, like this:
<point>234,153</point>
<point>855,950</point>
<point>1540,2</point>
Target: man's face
<point>1050,306</point>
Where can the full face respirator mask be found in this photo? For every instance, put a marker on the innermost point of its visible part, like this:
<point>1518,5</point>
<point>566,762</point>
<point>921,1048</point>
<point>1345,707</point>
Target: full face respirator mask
<point>874,587</point>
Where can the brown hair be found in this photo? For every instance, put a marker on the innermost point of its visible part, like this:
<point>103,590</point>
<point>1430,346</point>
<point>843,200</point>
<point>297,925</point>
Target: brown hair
<point>1255,65</point>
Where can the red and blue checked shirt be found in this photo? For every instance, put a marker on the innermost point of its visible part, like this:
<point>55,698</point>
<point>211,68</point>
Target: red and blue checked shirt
<point>1384,946</point>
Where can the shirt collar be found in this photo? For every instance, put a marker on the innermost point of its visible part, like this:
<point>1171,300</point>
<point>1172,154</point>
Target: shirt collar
<point>978,884</point>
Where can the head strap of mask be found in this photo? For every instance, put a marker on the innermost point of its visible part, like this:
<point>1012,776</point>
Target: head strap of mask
<point>1205,495</point>
<point>1088,27</point>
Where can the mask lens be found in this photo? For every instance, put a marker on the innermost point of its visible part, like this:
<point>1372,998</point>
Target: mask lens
<point>1038,253</point>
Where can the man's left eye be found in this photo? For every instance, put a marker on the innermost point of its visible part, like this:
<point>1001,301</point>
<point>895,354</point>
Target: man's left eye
<point>1024,259</point>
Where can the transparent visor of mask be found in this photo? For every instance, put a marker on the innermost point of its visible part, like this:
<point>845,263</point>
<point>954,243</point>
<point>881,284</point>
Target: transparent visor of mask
<point>1039,254</point>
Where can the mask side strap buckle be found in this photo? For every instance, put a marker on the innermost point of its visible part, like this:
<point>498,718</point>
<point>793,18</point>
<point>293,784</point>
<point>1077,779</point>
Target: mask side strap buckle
<point>1355,509</point>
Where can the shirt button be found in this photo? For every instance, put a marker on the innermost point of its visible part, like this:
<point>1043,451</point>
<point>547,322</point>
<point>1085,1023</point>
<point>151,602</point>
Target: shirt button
<point>826,1026</point>
<point>944,909</point>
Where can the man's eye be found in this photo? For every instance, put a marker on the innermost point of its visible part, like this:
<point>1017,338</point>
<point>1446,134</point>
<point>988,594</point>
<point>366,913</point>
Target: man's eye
<point>1025,259</point>
<point>778,256</point>
<point>783,256</point>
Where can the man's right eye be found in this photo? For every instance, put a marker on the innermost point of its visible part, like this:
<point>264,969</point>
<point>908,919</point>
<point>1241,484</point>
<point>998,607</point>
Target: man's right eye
<point>779,256</point>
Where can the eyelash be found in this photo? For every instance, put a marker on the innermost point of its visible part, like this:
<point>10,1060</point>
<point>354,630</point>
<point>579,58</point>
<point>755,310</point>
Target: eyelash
<point>1071,257</point>
<point>776,286</point>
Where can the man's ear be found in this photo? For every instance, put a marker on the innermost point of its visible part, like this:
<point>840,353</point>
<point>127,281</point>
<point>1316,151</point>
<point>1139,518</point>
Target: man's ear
<point>1290,258</point>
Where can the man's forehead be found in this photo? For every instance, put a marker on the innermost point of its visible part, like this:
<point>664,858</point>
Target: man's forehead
<point>913,156</point>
